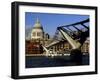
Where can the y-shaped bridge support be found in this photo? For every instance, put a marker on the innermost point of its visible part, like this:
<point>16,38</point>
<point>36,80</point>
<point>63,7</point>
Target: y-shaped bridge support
<point>74,43</point>
<point>76,55</point>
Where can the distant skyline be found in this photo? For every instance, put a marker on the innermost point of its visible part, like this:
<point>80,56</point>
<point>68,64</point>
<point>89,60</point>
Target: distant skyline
<point>51,21</point>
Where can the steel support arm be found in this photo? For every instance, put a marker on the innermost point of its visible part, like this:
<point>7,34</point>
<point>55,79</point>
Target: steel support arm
<point>75,44</point>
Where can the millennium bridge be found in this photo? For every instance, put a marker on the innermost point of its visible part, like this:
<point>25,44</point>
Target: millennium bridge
<point>68,33</point>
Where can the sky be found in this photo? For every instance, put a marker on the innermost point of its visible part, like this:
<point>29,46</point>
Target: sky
<point>51,21</point>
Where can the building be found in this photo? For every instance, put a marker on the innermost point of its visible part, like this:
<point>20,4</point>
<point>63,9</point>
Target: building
<point>37,39</point>
<point>60,47</point>
<point>85,46</point>
<point>33,47</point>
<point>37,31</point>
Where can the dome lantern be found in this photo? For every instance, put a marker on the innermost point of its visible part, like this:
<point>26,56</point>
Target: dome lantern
<point>38,25</point>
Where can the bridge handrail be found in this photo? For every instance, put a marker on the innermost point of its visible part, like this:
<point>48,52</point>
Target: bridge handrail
<point>81,22</point>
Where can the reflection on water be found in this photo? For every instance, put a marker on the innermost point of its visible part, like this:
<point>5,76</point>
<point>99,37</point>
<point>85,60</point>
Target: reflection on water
<point>42,61</point>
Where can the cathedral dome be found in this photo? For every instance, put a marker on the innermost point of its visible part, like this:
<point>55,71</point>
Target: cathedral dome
<point>37,31</point>
<point>38,25</point>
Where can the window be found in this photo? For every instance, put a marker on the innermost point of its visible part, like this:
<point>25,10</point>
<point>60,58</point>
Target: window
<point>39,34</point>
<point>34,34</point>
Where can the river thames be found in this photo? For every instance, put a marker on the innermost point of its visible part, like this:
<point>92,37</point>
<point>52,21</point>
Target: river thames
<point>43,61</point>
